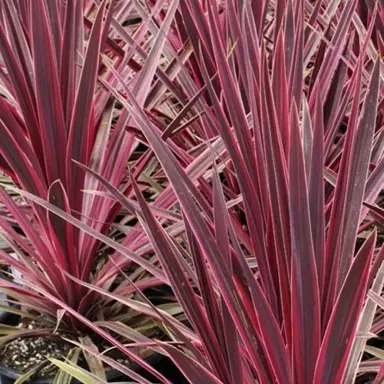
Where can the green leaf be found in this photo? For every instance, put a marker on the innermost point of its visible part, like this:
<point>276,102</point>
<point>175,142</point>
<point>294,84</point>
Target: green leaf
<point>76,372</point>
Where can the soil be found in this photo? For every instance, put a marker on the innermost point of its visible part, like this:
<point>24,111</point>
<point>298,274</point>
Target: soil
<point>26,353</point>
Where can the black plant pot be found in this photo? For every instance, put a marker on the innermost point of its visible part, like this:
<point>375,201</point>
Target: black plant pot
<point>159,362</point>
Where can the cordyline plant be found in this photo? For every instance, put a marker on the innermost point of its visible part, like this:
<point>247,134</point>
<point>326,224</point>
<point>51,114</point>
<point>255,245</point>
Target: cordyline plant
<point>277,177</point>
<point>54,110</point>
